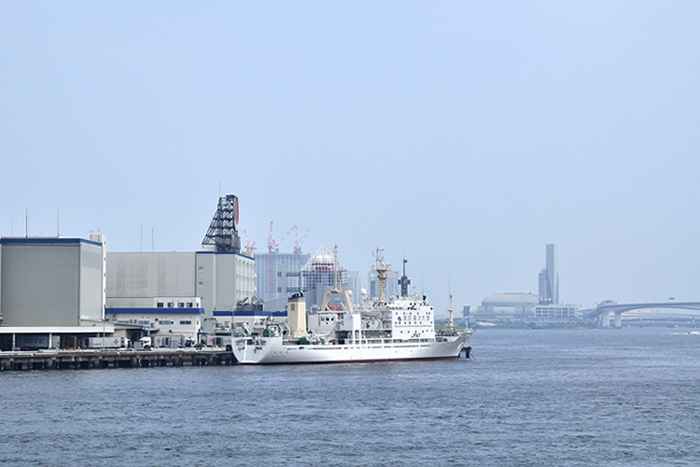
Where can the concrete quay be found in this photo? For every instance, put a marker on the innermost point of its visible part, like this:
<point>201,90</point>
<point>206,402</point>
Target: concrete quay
<point>84,359</point>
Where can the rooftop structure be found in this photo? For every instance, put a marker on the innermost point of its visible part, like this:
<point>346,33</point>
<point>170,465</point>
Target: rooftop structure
<point>223,231</point>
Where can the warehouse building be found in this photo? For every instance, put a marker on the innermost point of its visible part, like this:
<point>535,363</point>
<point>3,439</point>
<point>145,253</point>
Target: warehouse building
<point>184,293</point>
<point>52,290</point>
<point>187,288</point>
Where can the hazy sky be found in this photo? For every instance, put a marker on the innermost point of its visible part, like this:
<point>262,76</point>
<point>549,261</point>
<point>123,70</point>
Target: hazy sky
<point>463,135</point>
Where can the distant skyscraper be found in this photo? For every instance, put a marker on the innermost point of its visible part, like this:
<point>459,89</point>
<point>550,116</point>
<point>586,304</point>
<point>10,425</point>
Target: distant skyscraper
<point>279,274</point>
<point>392,286</point>
<point>549,278</point>
<point>543,286</point>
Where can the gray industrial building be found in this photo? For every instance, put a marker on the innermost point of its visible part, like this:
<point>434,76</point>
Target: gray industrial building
<point>54,288</point>
<point>144,284</point>
<point>207,284</point>
<point>52,281</point>
<point>52,291</point>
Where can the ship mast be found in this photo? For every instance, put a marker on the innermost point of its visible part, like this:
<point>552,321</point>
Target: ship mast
<point>451,324</point>
<point>382,269</point>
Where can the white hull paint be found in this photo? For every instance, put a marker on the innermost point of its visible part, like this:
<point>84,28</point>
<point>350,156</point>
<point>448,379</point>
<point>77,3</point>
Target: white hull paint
<point>273,350</point>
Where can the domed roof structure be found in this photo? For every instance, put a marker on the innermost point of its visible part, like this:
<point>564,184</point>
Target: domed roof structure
<point>510,299</point>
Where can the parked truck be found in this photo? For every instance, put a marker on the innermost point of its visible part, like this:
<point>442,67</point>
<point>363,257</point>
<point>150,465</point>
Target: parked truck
<point>108,342</point>
<point>143,343</point>
<point>168,341</point>
<point>37,341</point>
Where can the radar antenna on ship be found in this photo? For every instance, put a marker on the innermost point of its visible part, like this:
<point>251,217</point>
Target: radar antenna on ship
<point>404,282</point>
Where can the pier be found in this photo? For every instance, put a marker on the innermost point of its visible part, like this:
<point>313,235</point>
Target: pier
<point>86,359</point>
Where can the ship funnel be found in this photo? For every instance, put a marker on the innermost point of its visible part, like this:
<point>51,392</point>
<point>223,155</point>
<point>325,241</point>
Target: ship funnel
<point>296,315</point>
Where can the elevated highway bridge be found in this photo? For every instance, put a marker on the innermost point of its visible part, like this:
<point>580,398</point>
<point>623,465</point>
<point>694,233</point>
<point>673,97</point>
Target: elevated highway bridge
<point>602,312</point>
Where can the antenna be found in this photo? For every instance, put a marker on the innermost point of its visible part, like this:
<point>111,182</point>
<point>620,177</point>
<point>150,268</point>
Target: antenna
<point>451,324</point>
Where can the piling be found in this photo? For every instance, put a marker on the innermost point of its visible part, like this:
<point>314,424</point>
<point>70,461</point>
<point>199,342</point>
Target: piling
<point>89,359</point>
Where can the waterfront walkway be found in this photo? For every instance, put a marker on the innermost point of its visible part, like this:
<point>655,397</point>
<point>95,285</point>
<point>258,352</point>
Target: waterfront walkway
<point>84,359</point>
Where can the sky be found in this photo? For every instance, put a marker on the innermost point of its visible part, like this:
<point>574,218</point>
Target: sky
<point>463,136</point>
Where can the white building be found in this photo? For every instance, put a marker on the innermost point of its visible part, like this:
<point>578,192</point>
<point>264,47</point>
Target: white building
<point>173,322</point>
<point>556,312</point>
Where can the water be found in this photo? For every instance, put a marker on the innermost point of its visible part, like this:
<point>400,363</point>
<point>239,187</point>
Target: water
<point>528,398</point>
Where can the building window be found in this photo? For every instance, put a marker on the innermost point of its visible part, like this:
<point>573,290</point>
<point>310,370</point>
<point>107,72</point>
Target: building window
<point>171,305</point>
<point>160,305</point>
<point>186,322</point>
<point>189,304</point>
<point>181,305</point>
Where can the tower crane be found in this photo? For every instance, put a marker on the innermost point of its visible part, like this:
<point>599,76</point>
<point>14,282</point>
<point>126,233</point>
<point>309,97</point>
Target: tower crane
<point>273,244</point>
<point>249,246</point>
<point>298,242</point>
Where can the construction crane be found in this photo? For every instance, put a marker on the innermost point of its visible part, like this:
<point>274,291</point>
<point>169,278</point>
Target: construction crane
<point>273,244</point>
<point>249,246</point>
<point>298,242</point>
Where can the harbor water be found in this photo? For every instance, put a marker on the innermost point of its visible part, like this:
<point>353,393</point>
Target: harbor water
<point>527,398</point>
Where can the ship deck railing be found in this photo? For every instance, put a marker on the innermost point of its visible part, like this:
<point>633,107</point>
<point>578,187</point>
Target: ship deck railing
<point>374,342</point>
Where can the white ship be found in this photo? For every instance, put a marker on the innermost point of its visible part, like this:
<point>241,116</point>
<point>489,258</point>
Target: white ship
<point>401,328</point>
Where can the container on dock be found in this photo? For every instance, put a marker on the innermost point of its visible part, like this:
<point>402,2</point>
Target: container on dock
<point>108,342</point>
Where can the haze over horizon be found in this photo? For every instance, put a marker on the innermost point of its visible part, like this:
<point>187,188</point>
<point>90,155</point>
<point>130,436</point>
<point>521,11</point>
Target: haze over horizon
<point>463,136</point>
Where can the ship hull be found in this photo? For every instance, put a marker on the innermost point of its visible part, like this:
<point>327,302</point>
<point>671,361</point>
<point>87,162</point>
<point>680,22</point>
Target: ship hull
<point>273,350</point>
